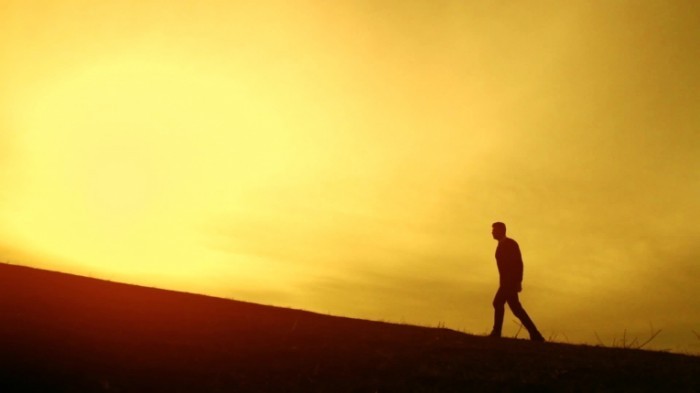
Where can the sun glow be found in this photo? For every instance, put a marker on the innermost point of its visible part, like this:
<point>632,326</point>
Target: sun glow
<point>127,156</point>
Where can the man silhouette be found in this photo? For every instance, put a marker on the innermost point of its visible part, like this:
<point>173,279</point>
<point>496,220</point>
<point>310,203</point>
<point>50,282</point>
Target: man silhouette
<point>510,271</point>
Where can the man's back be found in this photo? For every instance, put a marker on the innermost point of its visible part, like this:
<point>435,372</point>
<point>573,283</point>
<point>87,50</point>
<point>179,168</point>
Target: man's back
<point>510,264</point>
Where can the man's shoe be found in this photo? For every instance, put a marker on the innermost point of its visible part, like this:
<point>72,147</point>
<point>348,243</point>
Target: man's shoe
<point>537,337</point>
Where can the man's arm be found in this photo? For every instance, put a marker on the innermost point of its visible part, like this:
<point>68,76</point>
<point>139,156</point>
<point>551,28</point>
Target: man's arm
<point>518,262</point>
<point>515,266</point>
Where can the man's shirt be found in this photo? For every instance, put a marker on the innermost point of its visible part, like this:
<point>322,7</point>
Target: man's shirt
<point>510,264</point>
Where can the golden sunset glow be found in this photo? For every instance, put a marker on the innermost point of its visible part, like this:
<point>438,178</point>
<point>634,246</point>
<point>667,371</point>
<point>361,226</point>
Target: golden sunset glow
<point>350,157</point>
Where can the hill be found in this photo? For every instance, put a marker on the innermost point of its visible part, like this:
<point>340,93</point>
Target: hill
<point>66,333</point>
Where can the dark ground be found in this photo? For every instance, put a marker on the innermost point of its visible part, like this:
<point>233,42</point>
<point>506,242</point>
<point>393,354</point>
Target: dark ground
<point>65,333</point>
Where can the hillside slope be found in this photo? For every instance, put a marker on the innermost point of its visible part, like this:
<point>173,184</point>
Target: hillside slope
<point>65,333</point>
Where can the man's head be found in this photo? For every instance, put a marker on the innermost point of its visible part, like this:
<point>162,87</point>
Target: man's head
<point>498,230</point>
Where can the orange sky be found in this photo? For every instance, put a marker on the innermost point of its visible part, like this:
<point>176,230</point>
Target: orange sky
<point>349,157</point>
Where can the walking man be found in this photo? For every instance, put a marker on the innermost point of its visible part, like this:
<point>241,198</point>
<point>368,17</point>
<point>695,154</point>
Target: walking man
<point>510,270</point>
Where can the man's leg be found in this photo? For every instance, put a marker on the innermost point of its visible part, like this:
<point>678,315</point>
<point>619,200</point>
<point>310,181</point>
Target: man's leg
<point>499,302</point>
<point>519,311</point>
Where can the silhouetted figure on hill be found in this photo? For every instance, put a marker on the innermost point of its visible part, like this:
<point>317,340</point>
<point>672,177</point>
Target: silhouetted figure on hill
<point>510,270</point>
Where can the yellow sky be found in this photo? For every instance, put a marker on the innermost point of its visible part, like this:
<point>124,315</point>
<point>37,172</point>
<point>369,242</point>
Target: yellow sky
<point>349,157</point>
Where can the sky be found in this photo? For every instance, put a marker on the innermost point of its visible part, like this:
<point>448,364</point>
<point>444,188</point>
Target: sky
<point>350,157</point>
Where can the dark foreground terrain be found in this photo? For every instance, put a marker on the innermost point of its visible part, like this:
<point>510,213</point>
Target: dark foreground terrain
<point>65,333</point>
